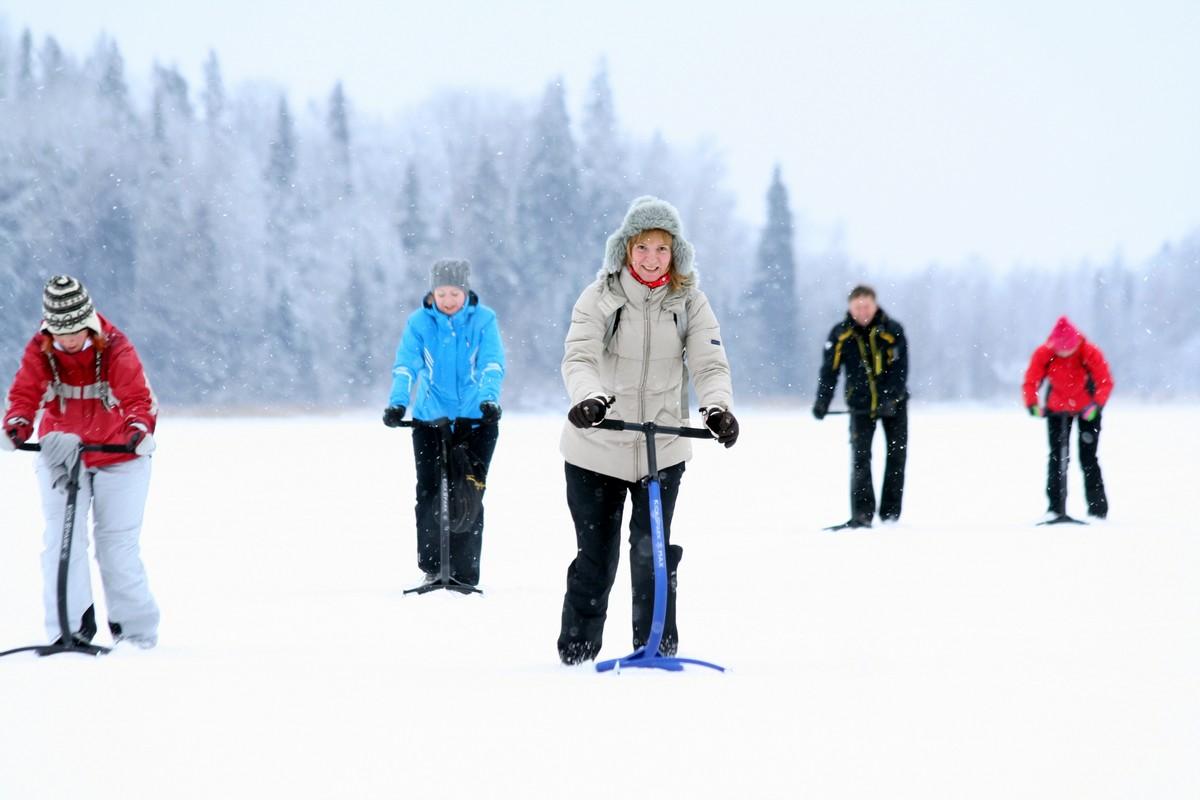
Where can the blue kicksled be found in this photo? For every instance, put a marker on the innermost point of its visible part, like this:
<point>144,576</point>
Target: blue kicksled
<point>648,656</point>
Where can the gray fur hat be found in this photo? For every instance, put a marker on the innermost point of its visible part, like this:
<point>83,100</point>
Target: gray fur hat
<point>451,272</point>
<point>647,213</point>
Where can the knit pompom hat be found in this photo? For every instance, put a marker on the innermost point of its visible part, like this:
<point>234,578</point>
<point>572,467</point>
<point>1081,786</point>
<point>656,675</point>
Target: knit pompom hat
<point>1065,337</point>
<point>67,308</point>
<point>451,272</point>
<point>644,214</point>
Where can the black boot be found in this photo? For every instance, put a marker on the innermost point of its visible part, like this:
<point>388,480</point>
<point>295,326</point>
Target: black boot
<point>572,653</point>
<point>87,628</point>
<point>581,636</point>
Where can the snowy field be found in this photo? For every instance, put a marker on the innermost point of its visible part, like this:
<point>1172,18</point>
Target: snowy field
<point>962,654</point>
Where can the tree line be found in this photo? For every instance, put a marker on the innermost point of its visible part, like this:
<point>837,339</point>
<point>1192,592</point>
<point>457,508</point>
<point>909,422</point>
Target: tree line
<point>262,254</point>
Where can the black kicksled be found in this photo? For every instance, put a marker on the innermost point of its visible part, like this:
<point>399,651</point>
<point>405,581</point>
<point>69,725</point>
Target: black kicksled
<point>443,580</point>
<point>1064,460</point>
<point>67,641</point>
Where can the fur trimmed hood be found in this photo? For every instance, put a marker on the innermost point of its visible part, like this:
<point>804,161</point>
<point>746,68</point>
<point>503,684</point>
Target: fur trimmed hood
<point>646,213</point>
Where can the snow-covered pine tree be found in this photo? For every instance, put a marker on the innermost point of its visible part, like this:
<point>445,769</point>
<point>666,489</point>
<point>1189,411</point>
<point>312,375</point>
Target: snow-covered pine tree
<point>603,165</point>
<point>549,244</point>
<point>360,339</point>
<point>486,240</point>
<point>411,224</point>
<point>55,69</point>
<point>339,135</point>
<point>213,95</point>
<point>24,76</point>
<point>771,301</point>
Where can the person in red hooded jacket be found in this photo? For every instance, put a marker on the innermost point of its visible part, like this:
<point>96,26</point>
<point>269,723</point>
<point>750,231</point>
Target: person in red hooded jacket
<point>85,378</point>
<point>1079,384</point>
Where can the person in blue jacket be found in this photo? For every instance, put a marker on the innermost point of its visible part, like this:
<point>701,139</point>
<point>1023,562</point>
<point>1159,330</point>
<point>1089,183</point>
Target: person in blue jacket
<point>450,363</point>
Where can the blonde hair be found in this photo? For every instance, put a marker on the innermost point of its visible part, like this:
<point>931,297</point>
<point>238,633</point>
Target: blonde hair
<point>677,282</point>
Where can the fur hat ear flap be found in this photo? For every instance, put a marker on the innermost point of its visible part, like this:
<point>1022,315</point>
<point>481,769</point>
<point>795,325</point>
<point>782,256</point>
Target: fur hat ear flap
<point>648,213</point>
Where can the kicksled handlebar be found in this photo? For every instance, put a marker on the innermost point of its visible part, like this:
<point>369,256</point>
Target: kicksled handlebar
<point>87,448</point>
<point>653,427</point>
<point>441,422</point>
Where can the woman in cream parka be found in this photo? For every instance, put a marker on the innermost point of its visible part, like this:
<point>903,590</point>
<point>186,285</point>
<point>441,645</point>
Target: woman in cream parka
<point>625,358</point>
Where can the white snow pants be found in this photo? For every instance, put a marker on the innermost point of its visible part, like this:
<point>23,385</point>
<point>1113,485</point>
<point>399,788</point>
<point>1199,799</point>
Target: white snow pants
<point>116,495</point>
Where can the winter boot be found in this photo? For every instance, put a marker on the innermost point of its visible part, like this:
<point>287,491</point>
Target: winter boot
<point>143,640</point>
<point>572,653</point>
<point>87,628</point>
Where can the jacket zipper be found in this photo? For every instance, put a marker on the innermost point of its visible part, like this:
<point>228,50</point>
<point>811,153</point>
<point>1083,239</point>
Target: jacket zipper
<point>637,453</point>
<point>866,363</point>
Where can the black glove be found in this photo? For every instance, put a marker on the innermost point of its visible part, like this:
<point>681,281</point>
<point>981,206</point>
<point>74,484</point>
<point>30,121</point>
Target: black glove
<point>723,425</point>
<point>888,408</point>
<point>587,413</point>
<point>820,409</point>
<point>490,410</point>
<point>392,415</point>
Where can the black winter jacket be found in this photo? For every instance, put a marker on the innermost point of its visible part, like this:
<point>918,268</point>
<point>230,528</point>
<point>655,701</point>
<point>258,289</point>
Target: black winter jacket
<point>876,362</point>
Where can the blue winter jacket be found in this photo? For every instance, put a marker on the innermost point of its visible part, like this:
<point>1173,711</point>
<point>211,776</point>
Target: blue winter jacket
<point>453,362</point>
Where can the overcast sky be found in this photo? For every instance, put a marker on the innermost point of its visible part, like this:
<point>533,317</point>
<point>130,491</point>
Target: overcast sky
<point>1019,131</point>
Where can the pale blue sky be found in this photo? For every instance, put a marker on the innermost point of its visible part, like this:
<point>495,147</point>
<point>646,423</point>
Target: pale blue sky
<point>1019,131</point>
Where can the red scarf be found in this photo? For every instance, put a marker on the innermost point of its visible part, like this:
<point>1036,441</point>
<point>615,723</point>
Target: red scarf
<point>654,284</point>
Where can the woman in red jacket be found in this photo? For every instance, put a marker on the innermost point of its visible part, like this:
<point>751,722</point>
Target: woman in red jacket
<point>1079,384</point>
<point>86,379</point>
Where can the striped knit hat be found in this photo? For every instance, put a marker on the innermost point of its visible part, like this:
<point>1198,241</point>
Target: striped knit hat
<point>66,307</point>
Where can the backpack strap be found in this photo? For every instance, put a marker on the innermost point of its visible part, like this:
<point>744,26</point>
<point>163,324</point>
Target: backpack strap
<point>610,327</point>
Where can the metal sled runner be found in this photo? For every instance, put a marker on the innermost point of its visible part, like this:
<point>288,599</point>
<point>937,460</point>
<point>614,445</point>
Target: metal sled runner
<point>67,643</point>
<point>648,656</point>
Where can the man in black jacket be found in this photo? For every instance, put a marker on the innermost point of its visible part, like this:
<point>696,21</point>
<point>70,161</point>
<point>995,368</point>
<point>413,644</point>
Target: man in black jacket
<point>872,348</point>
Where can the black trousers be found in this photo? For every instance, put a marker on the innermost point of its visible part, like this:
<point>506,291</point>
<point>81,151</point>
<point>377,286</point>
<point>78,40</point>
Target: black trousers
<point>597,503</point>
<point>1059,429</point>
<point>465,548</point>
<point>862,490</point>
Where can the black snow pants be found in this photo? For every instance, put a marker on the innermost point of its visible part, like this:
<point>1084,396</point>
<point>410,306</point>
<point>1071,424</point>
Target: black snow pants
<point>1059,428</point>
<point>862,490</point>
<point>597,503</point>
<point>465,548</point>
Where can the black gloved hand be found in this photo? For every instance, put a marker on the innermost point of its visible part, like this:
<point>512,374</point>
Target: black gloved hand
<point>820,409</point>
<point>490,410</point>
<point>723,425</point>
<point>587,413</point>
<point>392,415</point>
<point>888,408</point>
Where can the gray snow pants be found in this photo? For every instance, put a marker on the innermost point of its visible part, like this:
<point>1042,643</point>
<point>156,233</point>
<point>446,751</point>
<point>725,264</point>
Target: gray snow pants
<point>116,495</point>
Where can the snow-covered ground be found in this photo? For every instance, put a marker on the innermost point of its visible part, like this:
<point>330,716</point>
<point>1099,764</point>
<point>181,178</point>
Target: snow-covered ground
<point>963,654</point>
